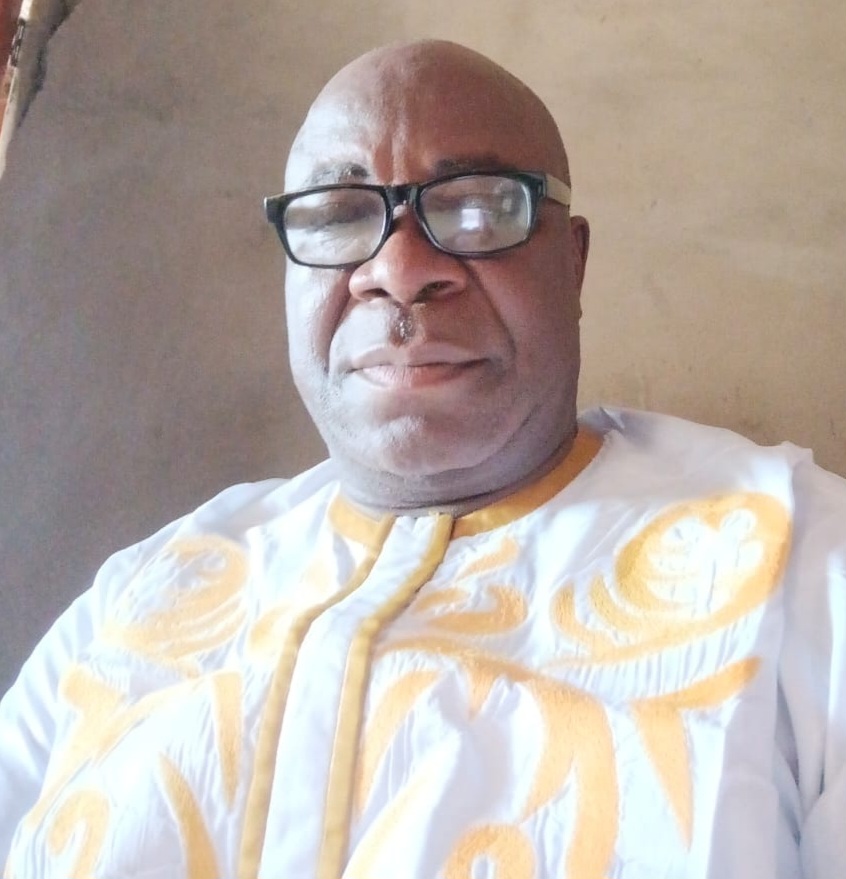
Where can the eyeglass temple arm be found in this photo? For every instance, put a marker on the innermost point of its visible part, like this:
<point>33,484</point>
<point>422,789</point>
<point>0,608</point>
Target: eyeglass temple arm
<point>558,190</point>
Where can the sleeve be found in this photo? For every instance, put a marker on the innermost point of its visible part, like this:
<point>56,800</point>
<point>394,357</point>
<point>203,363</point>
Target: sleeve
<point>813,668</point>
<point>27,722</point>
<point>28,719</point>
<point>28,712</point>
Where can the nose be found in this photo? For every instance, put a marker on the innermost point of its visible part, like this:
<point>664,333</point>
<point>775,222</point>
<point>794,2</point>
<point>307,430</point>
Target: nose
<point>408,268</point>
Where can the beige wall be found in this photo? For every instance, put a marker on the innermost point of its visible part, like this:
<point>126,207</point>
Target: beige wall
<point>142,348</point>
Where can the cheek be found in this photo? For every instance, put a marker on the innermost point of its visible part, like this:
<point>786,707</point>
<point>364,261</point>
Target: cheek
<point>314,301</point>
<point>540,309</point>
<point>535,304</point>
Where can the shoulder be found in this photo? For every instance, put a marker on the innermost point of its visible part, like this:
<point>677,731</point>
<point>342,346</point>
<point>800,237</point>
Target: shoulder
<point>820,499</point>
<point>817,497</point>
<point>817,570</point>
<point>811,663</point>
<point>655,431</point>
<point>663,455</point>
<point>29,720</point>
<point>234,515</point>
<point>231,515</point>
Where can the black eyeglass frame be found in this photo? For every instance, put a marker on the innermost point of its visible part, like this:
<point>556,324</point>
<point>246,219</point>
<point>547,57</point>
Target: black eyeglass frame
<point>537,184</point>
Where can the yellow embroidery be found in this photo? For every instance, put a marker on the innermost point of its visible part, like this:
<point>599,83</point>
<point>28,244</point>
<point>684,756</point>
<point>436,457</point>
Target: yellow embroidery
<point>714,690</point>
<point>726,551</point>
<point>88,810</point>
<point>692,571</point>
<point>507,606</point>
<point>228,720</point>
<point>662,731</point>
<point>507,553</point>
<point>577,744</point>
<point>661,727</point>
<point>563,613</point>
<point>203,608</point>
<point>395,706</point>
<point>505,851</point>
<point>339,794</point>
<point>200,857</point>
<point>586,446</point>
<point>441,598</point>
<point>486,668</point>
<point>96,704</point>
<point>104,719</point>
<point>269,630</point>
<point>356,525</point>
<point>317,584</point>
<point>368,858</point>
<point>508,612</point>
<point>482,669</point>
<point>577,739</point>
<point>261,786</point>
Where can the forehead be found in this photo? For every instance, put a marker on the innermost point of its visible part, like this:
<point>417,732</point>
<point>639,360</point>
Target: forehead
<point>399,125</point>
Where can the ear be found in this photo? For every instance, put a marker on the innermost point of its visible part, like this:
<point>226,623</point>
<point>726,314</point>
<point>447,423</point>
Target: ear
<point>580,238</point>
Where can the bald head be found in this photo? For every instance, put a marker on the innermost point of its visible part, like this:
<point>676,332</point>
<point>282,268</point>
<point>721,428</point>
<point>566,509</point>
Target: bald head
<point>442,79</point>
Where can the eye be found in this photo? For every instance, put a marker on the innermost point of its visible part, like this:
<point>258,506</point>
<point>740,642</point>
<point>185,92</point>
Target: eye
<point>323,211</point>
<point>477,213</point>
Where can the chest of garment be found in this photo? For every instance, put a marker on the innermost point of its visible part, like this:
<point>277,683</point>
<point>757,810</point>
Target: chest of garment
<point>577,692</point>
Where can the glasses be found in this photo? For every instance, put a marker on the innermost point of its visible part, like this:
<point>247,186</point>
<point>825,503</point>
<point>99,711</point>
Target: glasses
<point>468,215</point>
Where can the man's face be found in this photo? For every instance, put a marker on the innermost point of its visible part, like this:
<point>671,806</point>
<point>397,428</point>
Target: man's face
<point>420,366</point>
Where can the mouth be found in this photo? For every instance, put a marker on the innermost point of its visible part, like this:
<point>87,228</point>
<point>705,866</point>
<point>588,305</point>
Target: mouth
<point>419,366</point>
<point>417,375</point>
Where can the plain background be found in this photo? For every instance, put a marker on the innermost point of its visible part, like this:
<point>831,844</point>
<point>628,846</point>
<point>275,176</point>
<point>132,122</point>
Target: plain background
<point>142,341</point>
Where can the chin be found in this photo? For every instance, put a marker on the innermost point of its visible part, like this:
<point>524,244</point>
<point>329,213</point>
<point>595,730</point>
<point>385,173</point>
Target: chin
<point>411,450</point>
<point>425,460</point>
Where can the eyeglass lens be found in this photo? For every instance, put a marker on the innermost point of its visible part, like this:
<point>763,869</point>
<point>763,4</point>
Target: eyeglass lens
<point>473,214</point>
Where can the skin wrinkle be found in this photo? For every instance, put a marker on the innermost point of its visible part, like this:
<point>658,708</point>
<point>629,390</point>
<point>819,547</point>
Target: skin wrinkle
<point>510,320</point>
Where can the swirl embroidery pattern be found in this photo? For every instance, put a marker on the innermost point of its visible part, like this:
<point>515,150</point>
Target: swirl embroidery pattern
<point>202,613</point>
<point>697,570</point>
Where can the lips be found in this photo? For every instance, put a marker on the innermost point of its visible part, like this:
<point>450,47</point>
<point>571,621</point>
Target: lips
<point>409,356</point>
<point>414,366</point>
<point>420,376</point>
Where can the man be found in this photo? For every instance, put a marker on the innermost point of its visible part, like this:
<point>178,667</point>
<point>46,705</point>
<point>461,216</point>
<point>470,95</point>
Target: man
<point>486,638</point>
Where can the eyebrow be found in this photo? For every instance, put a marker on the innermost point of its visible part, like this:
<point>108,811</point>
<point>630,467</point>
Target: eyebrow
<point>344,173</point>
<point>484,162</point>
<point>348,172</point>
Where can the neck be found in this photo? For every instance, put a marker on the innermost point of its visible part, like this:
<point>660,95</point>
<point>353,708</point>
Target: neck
<point>392,495</point>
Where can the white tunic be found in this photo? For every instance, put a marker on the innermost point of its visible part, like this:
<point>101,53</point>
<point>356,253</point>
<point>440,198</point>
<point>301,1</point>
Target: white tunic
<point>633,668</point>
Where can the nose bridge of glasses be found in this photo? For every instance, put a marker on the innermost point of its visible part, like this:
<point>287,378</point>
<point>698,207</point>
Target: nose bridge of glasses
<point>402,195</point>
<point>397,195</point>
